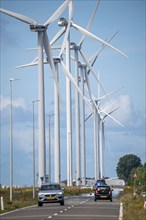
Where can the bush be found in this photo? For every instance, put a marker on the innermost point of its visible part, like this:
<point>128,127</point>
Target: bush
<point>133,205</point>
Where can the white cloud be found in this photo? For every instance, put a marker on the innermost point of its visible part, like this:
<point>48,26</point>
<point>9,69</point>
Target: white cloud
<point>125,112</point>
<point>17,103</point>
<point>23,139</point>
<point>5,102</point>
<point>124,103</point>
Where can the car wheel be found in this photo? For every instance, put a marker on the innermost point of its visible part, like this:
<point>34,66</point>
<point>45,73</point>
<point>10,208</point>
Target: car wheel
<point>40,204</point>
<point>62,202</point>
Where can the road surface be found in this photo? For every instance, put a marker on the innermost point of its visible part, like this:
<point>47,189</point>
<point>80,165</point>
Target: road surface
<point>75,208</point>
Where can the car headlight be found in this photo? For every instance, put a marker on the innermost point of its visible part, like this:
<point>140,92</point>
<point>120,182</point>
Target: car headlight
<point>41,195</point>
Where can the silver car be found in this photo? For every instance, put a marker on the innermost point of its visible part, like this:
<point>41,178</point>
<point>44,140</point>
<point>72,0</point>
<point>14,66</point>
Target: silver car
<point>50,193</point>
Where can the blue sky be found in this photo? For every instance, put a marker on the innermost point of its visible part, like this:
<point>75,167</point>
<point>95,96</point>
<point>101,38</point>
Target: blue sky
<point>115,71</point>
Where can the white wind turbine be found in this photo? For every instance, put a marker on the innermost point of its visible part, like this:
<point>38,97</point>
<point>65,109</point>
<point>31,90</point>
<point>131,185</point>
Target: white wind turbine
<point>83,70</point>
<point>96,118</point>
<point>66,43</point>
<point>98,130</point>
<point>102,142</point>
<point>95,106</point>
<point>42,41</point>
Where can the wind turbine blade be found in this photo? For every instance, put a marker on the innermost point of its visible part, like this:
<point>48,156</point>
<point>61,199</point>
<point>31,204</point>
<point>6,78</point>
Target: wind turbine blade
<point>50,57</point>
<point>57,36</point>
<point>88,87</point>
<point>94,74</point>
<point>90,22</point>
<point>67,29</point>
<point>89,116</point>
<point>18,16</point>
<point>29,64</point>
<point>26,65</point>
<point>95,56</point>
<point>111,112</point>
<point>35,59</point>
<point>88,34</point>
<point>108,94</point>
<point>101,110</point>
<point>70,77</point>
<point>57,13</point>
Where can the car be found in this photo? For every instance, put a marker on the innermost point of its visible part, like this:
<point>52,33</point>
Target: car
<point>50,193</point>
<point>100,182</point>
<point>103,192</point>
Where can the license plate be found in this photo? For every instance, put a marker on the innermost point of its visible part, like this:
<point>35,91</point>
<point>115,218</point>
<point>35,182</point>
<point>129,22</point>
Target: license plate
<point>103,196</point>
<point>50,198</point>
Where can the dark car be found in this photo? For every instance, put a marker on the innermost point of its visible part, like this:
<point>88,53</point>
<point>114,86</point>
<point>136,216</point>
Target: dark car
<point>100,182</point>
<point>103,192</point>
<point>50,193</point>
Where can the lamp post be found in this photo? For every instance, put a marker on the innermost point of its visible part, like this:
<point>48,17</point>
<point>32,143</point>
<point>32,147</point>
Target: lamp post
<point>33,101</point>
<point>11,141</point>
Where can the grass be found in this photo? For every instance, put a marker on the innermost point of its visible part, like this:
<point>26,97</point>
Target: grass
<point>133,205</point>
<point>23,197</point>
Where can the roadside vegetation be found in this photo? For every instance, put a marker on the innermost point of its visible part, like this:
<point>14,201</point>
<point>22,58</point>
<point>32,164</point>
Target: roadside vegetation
<point>23,197</point>
<point>133,204</point>
<point>134,173</point>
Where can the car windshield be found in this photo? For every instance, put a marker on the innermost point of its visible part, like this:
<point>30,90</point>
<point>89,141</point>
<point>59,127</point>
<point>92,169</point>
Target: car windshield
<point>100,182</point>
<point>50,187</point>
<point>103,188</point>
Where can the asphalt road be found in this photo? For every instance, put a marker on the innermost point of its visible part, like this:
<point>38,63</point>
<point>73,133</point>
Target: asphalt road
<point>75,208</point>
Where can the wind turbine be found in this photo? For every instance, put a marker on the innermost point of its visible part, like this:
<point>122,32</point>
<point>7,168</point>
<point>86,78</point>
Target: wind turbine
<point>102,141</point>
<point>83,70</point>
<point>99,130</point>
<point>42,41</point>
<point>57,167</point>
<point>66,44</point>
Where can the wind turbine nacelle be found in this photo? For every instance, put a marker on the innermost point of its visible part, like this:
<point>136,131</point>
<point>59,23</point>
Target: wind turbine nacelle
<point>63,22</point>
<point>56,59</point>
<point>37,27</point>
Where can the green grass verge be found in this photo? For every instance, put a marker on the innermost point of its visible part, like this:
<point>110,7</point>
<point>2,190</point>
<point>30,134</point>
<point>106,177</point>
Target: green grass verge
<point>22,197</point>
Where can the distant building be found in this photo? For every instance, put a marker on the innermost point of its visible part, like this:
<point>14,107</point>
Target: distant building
<point>115,182</point>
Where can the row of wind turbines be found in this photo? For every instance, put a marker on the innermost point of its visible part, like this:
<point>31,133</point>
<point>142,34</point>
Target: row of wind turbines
<point>80,79</point>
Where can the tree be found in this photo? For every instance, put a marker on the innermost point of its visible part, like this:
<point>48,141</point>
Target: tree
<point>126,164</point>
<point>141,175</point>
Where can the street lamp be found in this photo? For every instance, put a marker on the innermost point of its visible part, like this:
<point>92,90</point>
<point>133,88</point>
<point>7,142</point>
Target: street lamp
<point>33,101</point>
<point>11,140</point>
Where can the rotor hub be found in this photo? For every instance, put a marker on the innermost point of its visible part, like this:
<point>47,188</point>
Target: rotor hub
<point>37,27</point>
